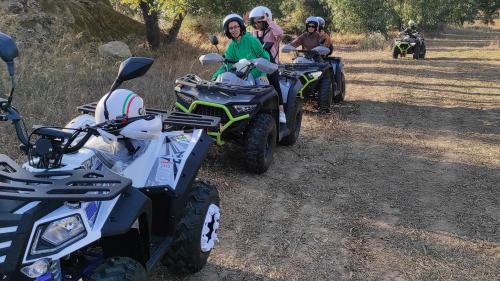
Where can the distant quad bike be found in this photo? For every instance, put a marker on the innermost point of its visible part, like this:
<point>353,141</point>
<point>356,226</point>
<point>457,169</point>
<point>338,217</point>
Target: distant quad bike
<point>249,112</point>
<point>106,201</point>
<point>409,44</point>
<point>322,77</point>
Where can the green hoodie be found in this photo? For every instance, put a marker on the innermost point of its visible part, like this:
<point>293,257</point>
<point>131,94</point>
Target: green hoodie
<point>249,48</point>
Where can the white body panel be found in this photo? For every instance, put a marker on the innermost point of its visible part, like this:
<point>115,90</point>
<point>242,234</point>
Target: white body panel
<point>160,162</point>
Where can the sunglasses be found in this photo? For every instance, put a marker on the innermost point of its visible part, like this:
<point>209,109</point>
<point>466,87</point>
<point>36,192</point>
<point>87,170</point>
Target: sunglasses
<point>311,26</point>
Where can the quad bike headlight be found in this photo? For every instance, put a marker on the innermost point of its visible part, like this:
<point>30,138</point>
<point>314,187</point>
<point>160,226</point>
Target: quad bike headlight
<point>55,235</point>
<point>244,108</point>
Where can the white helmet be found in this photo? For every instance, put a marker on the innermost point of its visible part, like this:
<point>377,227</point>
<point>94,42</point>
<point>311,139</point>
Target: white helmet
<point>233,17</point>
<point>321,21</point>
<point>121,102</point>
<point>312,20</point>
<point>260,11</point>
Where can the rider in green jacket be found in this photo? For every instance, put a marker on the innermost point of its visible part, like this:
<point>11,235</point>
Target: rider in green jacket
<point>242,46</point>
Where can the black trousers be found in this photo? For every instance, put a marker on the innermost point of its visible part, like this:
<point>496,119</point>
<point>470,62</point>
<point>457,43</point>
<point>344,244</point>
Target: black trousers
<point>274,80</point>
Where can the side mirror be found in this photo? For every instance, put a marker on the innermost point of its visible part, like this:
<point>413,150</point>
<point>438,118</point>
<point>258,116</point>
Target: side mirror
<point>321,50</point>
<point>211,58</point>
<point>265,65</point>
<point>8,51</point>
<point>214,40</point>
<point>268,45</point>
<point>288,48</point>
<point>132,68</point>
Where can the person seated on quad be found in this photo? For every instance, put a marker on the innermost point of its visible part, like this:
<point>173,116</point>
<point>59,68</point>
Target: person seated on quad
<point>242,46</point>
<point>325,37</point>
<point>311,38</point>
<point>266,30</point>
<point>411,29</point>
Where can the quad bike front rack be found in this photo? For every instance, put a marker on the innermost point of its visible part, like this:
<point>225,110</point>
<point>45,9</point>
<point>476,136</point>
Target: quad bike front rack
<point>74,185</point>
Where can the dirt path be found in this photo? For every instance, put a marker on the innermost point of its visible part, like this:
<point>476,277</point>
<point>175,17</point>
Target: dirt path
<point>402,182</point>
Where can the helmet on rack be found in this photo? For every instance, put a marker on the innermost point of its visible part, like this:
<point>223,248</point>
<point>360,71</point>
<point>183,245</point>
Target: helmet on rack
<point>258,14</point>
<point>230,18</point>
<point>125,103</point>
<point>312,21</point>
<point>121,103</point>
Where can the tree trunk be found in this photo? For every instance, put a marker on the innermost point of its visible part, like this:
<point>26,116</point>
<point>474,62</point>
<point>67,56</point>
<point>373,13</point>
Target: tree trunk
<point>176,26</point>
<point>151,22</point>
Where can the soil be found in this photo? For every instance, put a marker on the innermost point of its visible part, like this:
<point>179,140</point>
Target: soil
<point>400,182</point>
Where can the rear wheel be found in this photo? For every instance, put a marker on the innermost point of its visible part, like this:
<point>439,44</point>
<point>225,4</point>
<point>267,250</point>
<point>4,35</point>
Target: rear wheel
<point>395,52</point>
<point>196,233</point>
<point>325,93</point>
<point>297,123</point>
<point>260,142</point>
<point>119,268</point>
<point>341,96</point>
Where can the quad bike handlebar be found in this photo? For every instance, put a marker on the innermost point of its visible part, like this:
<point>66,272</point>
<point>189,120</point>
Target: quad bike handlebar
<point>11,114</point>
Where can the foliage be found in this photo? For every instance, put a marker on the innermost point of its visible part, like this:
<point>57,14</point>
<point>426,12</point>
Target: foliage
<point>358,16</point>
<point>295,13</point>
<point>373,41</point>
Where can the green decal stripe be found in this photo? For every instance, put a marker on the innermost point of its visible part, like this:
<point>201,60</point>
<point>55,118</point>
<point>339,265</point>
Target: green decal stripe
<point>124,107</point>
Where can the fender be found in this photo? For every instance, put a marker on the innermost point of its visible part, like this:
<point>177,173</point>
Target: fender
<point>129,207</point>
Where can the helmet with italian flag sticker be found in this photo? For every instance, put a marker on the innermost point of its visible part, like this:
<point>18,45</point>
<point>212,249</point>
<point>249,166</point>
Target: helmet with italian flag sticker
<point>121,103</point>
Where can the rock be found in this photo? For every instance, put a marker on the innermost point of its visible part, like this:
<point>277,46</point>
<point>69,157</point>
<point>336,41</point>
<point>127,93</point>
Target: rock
<point>16,8</point>
<point>115,49</point>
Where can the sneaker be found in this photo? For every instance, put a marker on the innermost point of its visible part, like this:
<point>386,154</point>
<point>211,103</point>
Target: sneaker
<point>282,117</point>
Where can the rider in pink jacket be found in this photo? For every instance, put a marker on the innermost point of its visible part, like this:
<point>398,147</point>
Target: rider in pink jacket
<point>266,30</point>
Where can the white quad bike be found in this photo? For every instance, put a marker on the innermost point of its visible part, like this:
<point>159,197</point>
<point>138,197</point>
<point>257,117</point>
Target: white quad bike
<point>93,204</point>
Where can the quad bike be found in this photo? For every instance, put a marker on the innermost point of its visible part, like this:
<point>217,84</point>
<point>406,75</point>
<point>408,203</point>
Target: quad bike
<point>322,77</point>
<point>409,44</point>
<point>249,112</point>
<point>89,206</point>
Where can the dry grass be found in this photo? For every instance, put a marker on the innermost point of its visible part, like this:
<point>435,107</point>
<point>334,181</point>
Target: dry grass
<point>52,82</point>
<point>347,39</point>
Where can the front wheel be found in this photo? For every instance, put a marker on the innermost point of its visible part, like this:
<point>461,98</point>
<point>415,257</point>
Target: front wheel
<point>423,52</point>
<point>395,53</point>
<point>297,123</point>
<point>325,93</point>
<point>341,96</point>
<point>119,268</point>
<point>196,233</point>
<point>260,143</point>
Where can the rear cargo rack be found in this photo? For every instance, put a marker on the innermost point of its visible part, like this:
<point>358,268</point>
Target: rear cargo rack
<point>75,185</point>
<point>302,66</point>
<point>171,118</point>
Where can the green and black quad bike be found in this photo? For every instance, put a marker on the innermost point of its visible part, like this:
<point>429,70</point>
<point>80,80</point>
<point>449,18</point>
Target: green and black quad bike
<point>322,77</point>
<point>249,112</point>
<point>409,44</point>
